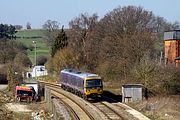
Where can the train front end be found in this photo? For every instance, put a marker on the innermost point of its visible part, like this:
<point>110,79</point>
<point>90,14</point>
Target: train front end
<point>93,87</point>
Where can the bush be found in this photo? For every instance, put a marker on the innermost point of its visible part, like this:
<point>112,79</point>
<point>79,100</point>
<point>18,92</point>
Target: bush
<point>41,60</point>
<point>30,47</point>
<point>66,58</point>
<point>158,79</point>
<point>14,76</point>
<point>22,60</point>
<point>3,74</point>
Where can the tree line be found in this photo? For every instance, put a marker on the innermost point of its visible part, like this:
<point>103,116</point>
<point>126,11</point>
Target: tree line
<point>13,56</point>
<point>123,47</point>
<point>7,31</point>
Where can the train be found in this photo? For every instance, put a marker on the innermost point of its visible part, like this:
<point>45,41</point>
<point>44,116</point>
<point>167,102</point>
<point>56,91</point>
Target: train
<point>86,85</point>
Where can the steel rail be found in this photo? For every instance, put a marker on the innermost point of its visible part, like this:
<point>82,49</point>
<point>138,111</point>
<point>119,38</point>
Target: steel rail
<point>72,112</point>
<point>56,88</point>
<point>108,111</point>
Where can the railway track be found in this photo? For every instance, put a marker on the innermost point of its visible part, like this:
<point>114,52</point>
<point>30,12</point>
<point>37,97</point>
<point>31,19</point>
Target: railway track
<point>125,111</point>
<point>107,109</point>
<point>103,109</point>
<point>76,111</point>
<point>110,113</point>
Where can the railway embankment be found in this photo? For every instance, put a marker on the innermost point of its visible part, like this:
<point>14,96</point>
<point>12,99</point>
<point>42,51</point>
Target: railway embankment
<point>12,110</point>
<point>160,107</point>
<point>5,114</point>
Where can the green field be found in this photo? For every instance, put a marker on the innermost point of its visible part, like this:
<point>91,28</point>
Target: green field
<point>27,37</point>
<point>30,33</point>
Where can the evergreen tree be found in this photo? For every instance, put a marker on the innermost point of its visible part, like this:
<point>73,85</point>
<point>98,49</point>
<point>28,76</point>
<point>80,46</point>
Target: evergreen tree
<point>60,42</point>
<point>28,25</point>
<point>7,31</point>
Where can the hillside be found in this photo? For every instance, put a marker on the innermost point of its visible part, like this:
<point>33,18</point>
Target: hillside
<point>27,37</point>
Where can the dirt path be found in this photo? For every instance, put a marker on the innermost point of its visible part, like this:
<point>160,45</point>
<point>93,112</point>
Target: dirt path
<point>3,86</point>
<point>17,107</point>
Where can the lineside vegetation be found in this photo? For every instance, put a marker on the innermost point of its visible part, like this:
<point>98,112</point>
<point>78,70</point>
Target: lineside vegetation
<point>124,47</point>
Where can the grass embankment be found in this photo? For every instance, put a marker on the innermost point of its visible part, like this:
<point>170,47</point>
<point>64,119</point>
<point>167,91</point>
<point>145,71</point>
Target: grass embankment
<point>160,108</point>
<point>27,37</point>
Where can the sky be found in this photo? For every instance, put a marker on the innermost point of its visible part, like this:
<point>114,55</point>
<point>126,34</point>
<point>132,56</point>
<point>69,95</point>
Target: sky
<point>37,12</point>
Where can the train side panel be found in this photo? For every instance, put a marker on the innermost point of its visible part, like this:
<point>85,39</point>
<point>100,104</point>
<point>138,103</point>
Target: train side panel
<point>72,83</point>
<point>86,85</point>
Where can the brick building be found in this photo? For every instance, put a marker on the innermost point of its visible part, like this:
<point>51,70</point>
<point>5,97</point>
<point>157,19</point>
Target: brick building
<point>172,47</point>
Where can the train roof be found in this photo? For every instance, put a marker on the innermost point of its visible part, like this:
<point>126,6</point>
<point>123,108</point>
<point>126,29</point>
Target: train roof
<point>79,73</point>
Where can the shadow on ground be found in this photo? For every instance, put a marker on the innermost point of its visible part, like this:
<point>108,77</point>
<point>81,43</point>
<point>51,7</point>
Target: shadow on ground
<point>3,79</point>
<point>116,98</point>
<point>108,97</point>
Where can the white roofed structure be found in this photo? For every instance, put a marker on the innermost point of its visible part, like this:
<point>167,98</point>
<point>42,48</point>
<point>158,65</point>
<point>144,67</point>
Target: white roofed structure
<point>38,71</point>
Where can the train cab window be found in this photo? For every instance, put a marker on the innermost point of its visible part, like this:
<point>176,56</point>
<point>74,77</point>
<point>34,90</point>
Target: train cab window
<point>94,83</point>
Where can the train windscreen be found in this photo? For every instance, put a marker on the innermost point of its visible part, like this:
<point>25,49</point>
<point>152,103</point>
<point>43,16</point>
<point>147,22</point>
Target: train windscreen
<point>93,83</point>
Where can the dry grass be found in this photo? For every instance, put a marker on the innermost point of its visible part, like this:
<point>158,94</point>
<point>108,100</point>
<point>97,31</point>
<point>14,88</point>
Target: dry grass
<point>160,108</point>
<point>156,108</point>
<point>113,87</point>
<point>50,79</point>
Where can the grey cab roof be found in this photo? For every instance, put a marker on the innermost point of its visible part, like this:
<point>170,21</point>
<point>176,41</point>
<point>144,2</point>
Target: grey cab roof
<point>79,73</point>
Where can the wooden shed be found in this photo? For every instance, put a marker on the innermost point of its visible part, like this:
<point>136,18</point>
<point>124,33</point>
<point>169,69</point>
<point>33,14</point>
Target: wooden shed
<point>131,92</point>
<point>172,47</point>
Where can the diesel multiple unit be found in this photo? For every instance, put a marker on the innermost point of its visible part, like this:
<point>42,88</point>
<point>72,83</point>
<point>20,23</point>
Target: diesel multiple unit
<point>83,84</point>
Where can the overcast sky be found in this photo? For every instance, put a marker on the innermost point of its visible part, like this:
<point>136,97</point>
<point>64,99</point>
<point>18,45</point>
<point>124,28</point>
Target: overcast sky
<point>37,12</point>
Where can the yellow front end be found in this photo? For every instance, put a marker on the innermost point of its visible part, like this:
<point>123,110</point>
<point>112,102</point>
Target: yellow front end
<point>93,90</point>
<point>90,91</point>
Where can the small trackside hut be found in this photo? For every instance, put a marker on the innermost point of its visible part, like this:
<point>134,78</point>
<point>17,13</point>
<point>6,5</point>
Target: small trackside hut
<point>86,85</point>
<point>131,92</point>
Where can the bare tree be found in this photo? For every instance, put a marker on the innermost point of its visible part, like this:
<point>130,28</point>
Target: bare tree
<point>51,25</point>
<point>52,28</point>
<point>28,25</point>
<point>176,25</point>
<point>18,27</point>
<point>81,29</point>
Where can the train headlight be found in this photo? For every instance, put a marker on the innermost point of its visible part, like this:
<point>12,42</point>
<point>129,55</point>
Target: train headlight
<point>98,89</point>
